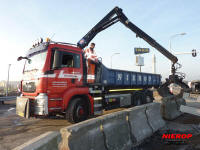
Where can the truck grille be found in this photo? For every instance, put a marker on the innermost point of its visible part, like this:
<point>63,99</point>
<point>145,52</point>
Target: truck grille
<point>28,87</point>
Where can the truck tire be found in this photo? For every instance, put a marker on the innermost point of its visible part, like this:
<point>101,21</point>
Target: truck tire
<point>77,111</point>
<point>148,97</point>
<point>138,98</point>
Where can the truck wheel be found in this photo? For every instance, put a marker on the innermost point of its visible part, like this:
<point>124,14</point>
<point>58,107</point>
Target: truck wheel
<point>148,97</point>
<point>77,111</point>
<point>138,98</point>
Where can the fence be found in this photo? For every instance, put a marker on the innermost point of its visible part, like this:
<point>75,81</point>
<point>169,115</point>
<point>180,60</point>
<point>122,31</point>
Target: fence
<point>7,98</point>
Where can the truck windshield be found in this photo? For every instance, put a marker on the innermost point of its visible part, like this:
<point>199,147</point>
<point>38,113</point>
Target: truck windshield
<point>35,62</point>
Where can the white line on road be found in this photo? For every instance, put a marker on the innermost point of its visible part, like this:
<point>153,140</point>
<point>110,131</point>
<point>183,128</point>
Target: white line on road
<point>11,109</point>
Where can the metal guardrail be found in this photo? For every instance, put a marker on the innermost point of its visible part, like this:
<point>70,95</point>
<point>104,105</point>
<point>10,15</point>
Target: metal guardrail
<point>7,98</point>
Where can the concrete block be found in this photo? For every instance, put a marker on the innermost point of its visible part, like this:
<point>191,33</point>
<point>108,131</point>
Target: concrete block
<point>154,116</point>
<point>190,110</point>
<point>179,102</point>
<point>117,131</point>
<point>170,107</point>
<point>48,140</point>
<point>85,135</point>
<point>140,128</point>
<point>175,89</point>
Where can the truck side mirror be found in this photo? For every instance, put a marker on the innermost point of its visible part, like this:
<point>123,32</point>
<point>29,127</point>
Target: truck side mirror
<point>57,59</point>
<point>19,58</point>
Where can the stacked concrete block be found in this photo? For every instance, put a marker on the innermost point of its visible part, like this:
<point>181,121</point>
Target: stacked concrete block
<point>170,107</point>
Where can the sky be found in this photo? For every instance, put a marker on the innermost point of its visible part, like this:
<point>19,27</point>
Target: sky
<point>24,21</point>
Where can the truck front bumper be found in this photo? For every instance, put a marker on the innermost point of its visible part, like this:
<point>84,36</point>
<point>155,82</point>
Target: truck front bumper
<point>26,107</point>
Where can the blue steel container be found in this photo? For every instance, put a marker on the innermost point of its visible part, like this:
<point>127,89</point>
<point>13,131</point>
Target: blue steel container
<point>122,78</point>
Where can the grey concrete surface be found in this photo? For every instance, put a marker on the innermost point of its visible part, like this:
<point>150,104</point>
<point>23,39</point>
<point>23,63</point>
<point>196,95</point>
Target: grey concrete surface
<point>194,102</point>
<point>117,132</point>
<point>83,136</point>
<point>190,110</point>
<point>140,128</point>
<point>170,107</point>
<point>154,116</point>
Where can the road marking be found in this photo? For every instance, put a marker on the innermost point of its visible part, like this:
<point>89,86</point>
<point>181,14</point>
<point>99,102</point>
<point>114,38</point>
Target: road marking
<point>11,109</point>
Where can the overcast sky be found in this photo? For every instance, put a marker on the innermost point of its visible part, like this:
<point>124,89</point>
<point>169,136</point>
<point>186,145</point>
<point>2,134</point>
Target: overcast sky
<point>24,21</point>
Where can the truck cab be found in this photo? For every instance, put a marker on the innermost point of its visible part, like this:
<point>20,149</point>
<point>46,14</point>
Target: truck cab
<point>52,72</point>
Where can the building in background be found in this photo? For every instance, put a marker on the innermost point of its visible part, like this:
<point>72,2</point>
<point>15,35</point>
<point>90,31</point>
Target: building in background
<point>12,87</point>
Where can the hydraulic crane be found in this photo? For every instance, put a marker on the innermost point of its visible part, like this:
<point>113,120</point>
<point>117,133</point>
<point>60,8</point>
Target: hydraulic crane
<point>116,15</point>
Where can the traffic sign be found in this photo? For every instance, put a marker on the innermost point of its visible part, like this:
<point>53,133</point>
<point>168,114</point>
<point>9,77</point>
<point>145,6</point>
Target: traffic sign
<point>141,50</point>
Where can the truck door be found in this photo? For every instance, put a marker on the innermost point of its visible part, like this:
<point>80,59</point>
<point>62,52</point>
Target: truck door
<point>68,72</point>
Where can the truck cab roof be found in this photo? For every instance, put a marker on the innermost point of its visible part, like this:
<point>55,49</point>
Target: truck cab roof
<point>43,46</point>
<point>66,46</point>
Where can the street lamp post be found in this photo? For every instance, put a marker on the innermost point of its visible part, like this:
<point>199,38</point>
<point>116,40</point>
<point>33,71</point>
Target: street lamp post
<point>170,43</point>
<point>154,64</point>
<point>7,85</point>
<point>111,58</point>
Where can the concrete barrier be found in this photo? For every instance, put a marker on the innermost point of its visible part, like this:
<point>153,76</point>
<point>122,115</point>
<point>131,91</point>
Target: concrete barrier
<point>154,117</point>
<point>48,140</point>
<point>117,132</point>
<point>86,135</point>
<point>190,110</point>
<point>139,125</point>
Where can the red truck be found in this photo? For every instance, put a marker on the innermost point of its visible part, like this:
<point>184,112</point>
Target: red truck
<point>55,78</point>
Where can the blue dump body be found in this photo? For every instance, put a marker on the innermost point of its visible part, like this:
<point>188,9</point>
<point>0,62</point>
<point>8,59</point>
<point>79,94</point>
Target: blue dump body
<point>122,78</point>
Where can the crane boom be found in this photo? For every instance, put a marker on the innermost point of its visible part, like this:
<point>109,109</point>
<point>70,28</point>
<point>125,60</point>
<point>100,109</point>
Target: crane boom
<point>116,15</point>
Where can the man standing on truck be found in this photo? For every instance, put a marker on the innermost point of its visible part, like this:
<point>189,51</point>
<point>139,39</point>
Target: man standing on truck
<point>91,57</point>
